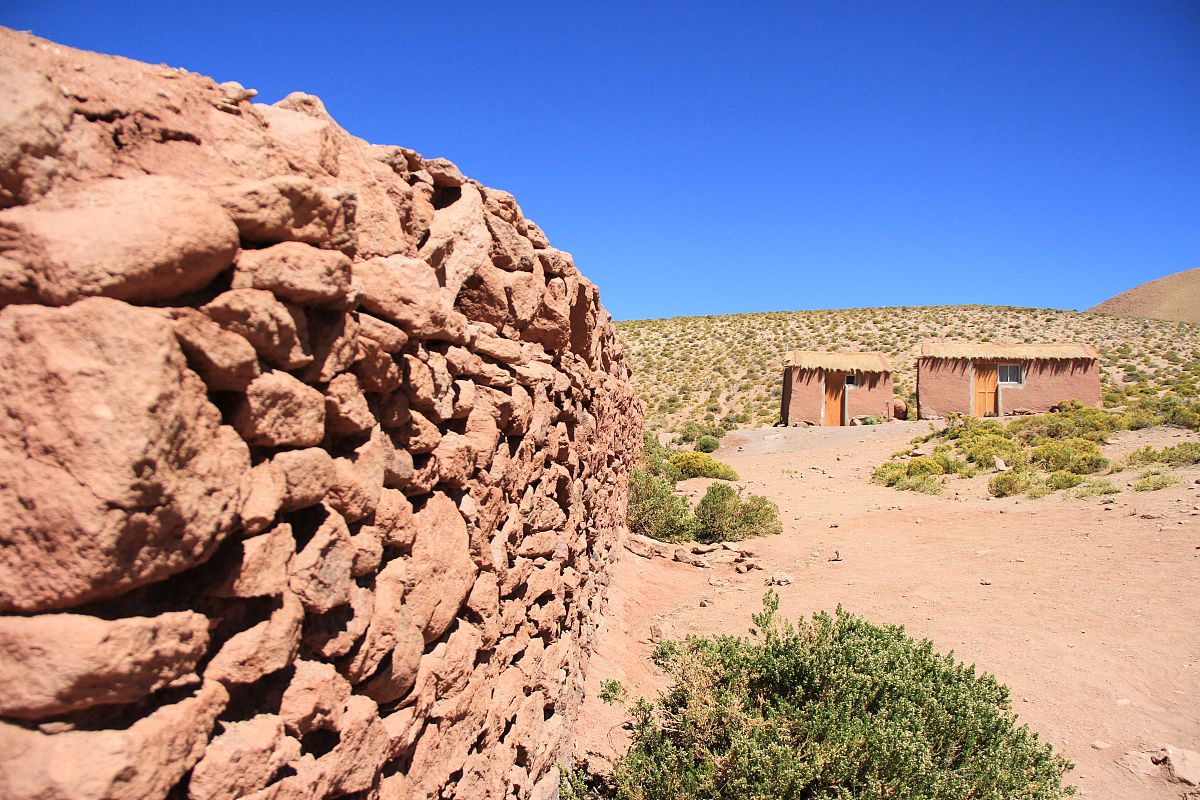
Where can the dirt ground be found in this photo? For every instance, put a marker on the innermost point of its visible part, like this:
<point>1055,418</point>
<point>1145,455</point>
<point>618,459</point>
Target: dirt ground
<point>1089,610</point>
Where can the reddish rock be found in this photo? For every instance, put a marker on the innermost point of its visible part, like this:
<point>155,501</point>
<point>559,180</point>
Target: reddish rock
<point>140,762</point>
<point>297,272</point>
<point>225,360</point>
<point>334,340</point>
<point>390,620</point>
<point>395,520</point>
<point>34,117</point>
<point>279,410</point>
<point>368,551</point>
<point>346,409</point>
<point>459,242</point>
<point>442,572</point>
<point>263,497</point>
<point>278,332</point>
<point>390,338</point>
<point>307,475</point>
<point>54,663</point>
<point>333,635</point>
<point>140,239</point>
<point>258,566</point>
<point>320,573</point>
<point>315,699</point>
<point>358,481</point>
<point>406,291</point>
<point>243,758</point>
<point>289,208</point>
<point>261,649</point>
<point>375,368</point>
<point>116,469</point>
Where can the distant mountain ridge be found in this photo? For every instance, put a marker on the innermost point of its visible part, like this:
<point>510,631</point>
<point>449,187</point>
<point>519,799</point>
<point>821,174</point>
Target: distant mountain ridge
<point>1174,297</point>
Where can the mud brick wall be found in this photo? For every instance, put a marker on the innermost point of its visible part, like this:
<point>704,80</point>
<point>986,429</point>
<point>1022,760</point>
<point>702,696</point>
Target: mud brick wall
<point>313,453</point>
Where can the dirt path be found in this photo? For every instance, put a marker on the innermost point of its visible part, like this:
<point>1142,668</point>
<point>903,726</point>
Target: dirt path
<point>1089,612</point>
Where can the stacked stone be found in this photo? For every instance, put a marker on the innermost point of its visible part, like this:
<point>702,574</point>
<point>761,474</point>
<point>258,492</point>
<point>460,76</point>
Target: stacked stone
<point>313,453</point>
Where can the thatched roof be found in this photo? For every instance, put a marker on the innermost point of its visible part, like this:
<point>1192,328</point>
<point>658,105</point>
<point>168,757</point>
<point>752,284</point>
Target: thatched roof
<point>1015,352</point>
<point>841,362</point>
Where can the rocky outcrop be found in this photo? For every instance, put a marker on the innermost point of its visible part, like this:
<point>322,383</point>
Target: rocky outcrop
<point>313,453</point>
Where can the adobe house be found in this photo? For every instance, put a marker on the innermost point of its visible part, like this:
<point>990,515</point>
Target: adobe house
<point>833,388</point>
<point>996,379</point>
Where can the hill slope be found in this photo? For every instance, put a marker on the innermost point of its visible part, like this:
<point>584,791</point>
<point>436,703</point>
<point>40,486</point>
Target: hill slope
<point>707,369</point>
<point>1174,297</point>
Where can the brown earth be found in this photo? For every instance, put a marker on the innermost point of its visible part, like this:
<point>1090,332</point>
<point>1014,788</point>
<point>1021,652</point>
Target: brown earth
<point>1176,296</point>
<point>1087,610</point>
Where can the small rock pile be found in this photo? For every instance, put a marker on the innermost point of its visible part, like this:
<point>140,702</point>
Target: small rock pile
<point>314,453</point>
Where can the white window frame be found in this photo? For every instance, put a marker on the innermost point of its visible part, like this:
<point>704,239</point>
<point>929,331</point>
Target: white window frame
<point>1000,369</point>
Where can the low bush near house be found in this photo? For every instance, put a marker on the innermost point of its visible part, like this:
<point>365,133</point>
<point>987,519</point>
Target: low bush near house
<point>701,465</point>
<point>707,444</point>
<point>1077,455</point>
<point>722,516</point>
<point>835,707</point>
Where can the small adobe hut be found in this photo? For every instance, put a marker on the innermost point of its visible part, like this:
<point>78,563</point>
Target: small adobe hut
<point>997,379</point>
<point>833,388</point>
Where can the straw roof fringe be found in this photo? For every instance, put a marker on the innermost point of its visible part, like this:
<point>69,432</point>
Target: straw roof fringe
<point>1015,352</point>
<point>841,362</point>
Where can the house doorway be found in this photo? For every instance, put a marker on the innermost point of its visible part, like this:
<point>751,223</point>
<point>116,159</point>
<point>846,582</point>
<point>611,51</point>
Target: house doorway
<point>835,398</point>
<point>986,394</point>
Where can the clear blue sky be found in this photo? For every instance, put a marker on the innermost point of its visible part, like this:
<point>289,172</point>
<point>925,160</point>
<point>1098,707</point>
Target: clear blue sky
<point>706,158</point>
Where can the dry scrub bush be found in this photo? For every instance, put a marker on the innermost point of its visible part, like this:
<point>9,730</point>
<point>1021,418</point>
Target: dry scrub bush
<point>835,707</point>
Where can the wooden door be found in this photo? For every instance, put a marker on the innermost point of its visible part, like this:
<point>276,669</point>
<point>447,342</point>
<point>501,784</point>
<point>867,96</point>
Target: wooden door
<point>986,383</point>
<point>835,393</point>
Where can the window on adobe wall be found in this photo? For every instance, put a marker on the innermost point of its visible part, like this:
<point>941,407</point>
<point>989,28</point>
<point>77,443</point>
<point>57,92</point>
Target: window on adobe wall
<point>1010,373</point>
<point>852,379</point>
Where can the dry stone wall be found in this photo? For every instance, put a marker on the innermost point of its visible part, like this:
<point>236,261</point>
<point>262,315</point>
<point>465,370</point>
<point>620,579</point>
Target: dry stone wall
<point>312,454</point>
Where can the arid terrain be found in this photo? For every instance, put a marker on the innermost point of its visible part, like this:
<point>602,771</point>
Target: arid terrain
<point>1174,296</point>
<point>1086,609</point>
<point>707,369</point>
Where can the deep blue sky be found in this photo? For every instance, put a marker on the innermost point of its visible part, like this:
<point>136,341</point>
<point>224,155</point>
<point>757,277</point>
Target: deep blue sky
<point>705,158</point>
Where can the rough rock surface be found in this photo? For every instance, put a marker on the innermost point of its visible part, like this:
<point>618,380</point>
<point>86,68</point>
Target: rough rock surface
<point>313,453</point>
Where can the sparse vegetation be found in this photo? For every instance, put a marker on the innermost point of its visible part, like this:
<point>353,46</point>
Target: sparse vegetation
<point>708,375</point>
<point>1038,454</point>
<point>1154,479</point>
<point>835,707</point>
<point>655,510</point>
<point>707,444</point>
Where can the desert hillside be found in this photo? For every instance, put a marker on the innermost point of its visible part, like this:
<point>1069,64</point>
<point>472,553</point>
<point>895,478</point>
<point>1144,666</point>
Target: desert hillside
<point>1175,297</point>
<point>707,369</point>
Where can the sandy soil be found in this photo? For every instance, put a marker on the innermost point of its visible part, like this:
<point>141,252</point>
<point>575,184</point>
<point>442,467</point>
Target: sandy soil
<point>1088,610</point>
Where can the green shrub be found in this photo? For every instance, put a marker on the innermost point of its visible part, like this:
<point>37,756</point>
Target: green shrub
<point>707,444</point>
<point>835,707</point>
<point>1080,456</point>
<point>924,466</point>
<point>1006,484</point>
<point>1154,479</point>
<point>722,516</point>
<point>701,465</point>
<point>924,483</point>
<point>656,459</point>
<point>655,510</point>
<point>1061,479</point>
<point>890,473</point>
<point>1093,487</point>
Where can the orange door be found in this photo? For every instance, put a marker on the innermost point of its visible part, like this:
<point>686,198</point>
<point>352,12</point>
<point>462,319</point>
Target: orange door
<point>986,381</point>
<point>835,391</point>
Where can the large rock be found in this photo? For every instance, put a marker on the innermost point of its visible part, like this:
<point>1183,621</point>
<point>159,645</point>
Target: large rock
<point>138,239</point>
<point>141,762</point>
<point>242,759</point>
<point>278,332</point>
<point>114,468</point>
<point>442,572</point>
<point>280,410</point>
<point>261,649</point>
<point>54,663</point>
<point>297,272</point>
<point>406,291</point>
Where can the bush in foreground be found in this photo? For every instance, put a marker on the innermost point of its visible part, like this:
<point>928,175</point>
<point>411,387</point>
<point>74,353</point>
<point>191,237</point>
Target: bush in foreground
<point>832,708</point>
<point>655,510</point>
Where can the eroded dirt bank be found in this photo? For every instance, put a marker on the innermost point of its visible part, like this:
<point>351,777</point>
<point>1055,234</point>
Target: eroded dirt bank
<point>1088,612</point>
